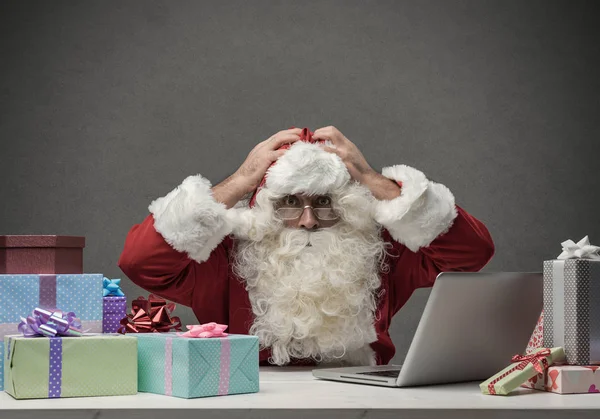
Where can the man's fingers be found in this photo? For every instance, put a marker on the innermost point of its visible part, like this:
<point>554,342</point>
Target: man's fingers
<point>279,140</point>
<point>292,130</point>
<point>327,133</point>
<point>331,150</point>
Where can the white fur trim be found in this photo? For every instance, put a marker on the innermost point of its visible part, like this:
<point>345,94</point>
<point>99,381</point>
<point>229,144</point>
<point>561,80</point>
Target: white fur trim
<point>422,212</point>
<point>243,222</point>
<point>306,167</point>
<point>189,218</point>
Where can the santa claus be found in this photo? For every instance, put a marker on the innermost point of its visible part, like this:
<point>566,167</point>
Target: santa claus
<point>317,261</point>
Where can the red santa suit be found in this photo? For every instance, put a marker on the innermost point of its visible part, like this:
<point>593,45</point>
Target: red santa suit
<point>183,250</point>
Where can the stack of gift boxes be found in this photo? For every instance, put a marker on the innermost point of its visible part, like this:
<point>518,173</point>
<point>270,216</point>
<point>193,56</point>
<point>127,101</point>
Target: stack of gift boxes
<point>68,334</point>
<point>563,355</point>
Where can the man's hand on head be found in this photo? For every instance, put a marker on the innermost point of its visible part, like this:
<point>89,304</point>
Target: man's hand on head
<point>354,160</point>
<point>380,186</point>
<point>252,171</point>
<point>249,175</point>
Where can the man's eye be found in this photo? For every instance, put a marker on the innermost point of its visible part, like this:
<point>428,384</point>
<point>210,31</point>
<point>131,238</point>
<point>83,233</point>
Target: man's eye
<point>291,200</point>
<point>323,201</point>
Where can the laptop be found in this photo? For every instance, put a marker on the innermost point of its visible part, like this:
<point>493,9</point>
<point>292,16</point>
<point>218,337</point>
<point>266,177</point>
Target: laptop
<point>473,323</point>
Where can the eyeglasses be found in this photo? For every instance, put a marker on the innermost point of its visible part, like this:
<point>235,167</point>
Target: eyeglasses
<point>323,214</point>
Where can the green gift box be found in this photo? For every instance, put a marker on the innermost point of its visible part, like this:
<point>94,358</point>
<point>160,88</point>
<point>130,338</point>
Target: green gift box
<point>523,368</point>
<point>90,365</point>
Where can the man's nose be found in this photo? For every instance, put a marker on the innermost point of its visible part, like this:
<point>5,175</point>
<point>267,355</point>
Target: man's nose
<point>308,220</point>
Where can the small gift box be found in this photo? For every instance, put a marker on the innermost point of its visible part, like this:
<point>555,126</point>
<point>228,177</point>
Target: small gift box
<point>188,367</point>
<point>572,302</point>
<point>522,368</point>
<point>53,358</point>
<point>41,254</point>
<point>19,294</point>
<point>114,305</point>
<point>567,379</point>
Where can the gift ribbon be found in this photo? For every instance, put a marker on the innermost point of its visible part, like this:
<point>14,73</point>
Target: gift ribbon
<point>169,366</point>
<point>523,361</point>
<point>47,297</point>
<point>225,367</point>
<point>558,303</point>
<point>580,250</point>
<point>50,323</point>
<point>151,315</point>
<point>112,287</point>
<point>55,368</point>
<point>90,326</point>
<point>208,330</point>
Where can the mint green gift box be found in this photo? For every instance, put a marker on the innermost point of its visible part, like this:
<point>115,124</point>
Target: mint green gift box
<point>197,367</point>
<point>90,365</point>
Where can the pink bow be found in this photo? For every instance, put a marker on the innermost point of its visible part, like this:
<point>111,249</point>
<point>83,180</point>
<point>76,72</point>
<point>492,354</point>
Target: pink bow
<point>208,330</point>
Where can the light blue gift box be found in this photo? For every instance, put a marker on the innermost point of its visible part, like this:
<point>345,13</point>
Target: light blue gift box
<point>197,367</point>
<point>20,294</point>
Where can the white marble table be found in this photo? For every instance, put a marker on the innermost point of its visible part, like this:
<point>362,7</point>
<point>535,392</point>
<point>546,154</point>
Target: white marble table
<point>294,393</point>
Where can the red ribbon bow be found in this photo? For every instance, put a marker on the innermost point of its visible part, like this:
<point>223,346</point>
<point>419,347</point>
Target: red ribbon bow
<point>539,361</point>
<point>306,136</point>
<point>150,316</point>
<point>533,359</point>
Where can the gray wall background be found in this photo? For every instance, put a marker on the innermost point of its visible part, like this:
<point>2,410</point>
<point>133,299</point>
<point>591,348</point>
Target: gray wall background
<point>105,106</point>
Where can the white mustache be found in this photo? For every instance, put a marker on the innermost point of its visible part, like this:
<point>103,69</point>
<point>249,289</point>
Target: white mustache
<point>303,238</point>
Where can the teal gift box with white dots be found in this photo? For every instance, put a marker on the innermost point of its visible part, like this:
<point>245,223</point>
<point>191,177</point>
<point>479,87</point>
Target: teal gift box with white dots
<point>197,367</point>
<point>20,294</point>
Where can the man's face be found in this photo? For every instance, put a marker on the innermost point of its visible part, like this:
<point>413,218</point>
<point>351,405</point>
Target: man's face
<point>309,212</point>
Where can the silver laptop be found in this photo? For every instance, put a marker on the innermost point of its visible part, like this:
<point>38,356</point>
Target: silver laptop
<point>472,325</point>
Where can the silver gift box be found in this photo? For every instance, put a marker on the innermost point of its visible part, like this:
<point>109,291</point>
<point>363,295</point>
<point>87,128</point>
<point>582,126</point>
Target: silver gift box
<point>572,309</point>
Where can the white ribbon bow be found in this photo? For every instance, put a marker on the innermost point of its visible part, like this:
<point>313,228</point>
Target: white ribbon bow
<point>581,250</point>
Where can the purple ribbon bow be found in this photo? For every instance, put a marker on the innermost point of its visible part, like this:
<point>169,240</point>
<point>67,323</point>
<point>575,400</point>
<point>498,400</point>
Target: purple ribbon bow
<point>50,323</point>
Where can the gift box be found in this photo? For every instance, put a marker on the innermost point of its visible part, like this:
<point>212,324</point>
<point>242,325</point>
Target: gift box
<point>567,379</point>
<point>197,367</point>
<point>114,305</point>
<point>20,294</point>
<point>41,254</point>
<point>114,310</point>
<point>90,365</point>
<point>572,302</point>
<point>521,369</point>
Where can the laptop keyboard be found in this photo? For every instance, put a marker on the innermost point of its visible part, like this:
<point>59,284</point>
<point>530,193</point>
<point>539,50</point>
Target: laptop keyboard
<point>385,373</point>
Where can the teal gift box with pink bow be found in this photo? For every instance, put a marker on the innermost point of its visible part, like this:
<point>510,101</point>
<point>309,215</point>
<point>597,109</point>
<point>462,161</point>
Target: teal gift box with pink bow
<point>202,362</point>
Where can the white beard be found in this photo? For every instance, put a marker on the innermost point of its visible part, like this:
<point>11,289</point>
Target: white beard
<point>313,294</point>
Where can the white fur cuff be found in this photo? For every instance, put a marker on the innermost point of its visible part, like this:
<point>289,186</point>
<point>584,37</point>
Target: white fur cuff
<point>424,210</point>
<point>189,218</point>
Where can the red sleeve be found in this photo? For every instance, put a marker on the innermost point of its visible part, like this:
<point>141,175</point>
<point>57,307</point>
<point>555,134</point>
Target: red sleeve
<point>150,262</point>
<point>466,247</point>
